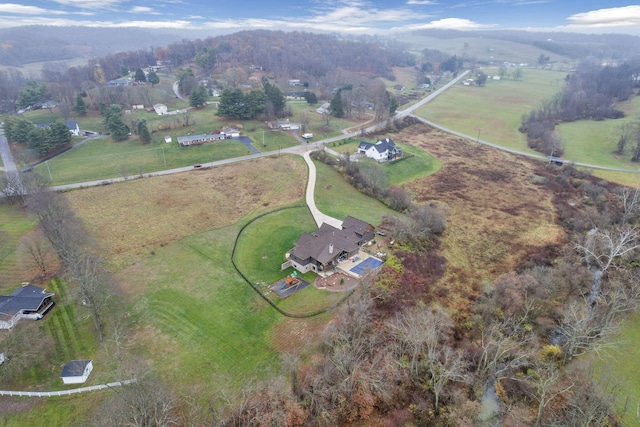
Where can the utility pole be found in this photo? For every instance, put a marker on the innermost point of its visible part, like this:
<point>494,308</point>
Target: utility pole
<point>163,157</point>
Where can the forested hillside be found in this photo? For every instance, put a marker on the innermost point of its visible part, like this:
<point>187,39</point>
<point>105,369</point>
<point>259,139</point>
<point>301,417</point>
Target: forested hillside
<point>25,45</point>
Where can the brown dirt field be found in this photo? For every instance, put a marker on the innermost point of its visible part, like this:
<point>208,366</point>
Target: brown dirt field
<point>495,215</point>
<point>133,218</point>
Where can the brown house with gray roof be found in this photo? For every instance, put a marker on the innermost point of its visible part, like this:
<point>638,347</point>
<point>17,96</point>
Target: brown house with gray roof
<point>321,250</point>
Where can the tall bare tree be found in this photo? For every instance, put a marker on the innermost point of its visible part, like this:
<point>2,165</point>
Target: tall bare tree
<point>604,247</point>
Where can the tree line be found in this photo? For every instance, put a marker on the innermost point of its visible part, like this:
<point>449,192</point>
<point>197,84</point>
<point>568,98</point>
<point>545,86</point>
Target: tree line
<point>41,139</point>
<point>590,93</point>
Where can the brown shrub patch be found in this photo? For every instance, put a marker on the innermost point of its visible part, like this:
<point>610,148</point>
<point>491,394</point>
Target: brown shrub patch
<point>496,216</point>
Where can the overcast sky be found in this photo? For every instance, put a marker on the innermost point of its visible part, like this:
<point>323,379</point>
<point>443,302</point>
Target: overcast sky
<point>353,16</point>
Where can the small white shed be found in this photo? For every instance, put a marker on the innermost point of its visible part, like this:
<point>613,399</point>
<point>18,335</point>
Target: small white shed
<point>76,371</point>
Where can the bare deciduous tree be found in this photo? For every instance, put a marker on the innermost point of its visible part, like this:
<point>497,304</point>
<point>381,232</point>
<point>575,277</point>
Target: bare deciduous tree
<point>449,365</point>
<point>630,199</point>
<point>604,247</point>
<point>143,403</point>
<point>40,253</point>
<point>418,332</point>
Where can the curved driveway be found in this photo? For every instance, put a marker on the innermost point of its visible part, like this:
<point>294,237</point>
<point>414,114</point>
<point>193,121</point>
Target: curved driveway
<point>318,216</point>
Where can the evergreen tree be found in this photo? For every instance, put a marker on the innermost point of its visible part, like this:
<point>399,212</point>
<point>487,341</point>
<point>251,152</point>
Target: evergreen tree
<point>393,104</point>
<point>234,104</point>
<point>311,98</point>
<point>140,76</point>
<point>335,107</point>
<point>275,101</point>
<point>18,130</point>
<point>198,97</point>
<point>153,78</point>
<point>60,134</point>
<point>32,93</point>
<point>143,132</point>
<point>80,108</point>
<point>113,122</point>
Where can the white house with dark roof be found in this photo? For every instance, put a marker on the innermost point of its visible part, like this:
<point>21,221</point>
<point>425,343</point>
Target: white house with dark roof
<point>76,371</point>
<point>381,151</point>
<point>27,302</point>
<point>322,250</point>
<point>73,126</point>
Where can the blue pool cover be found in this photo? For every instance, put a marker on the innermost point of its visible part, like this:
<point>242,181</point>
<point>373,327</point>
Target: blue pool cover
<point>367,264</point>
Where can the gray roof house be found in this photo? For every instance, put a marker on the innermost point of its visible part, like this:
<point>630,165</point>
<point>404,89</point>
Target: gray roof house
<point>27,302</point>
<point>76,371</point>
<point>321,250</point>
<point>382,150</point>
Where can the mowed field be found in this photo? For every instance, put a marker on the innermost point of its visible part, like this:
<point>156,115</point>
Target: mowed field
<point>135,218</point>
<point>494,112</point>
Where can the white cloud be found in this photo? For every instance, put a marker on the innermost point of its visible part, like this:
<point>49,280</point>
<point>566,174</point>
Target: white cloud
<point>154,24</point>
<point>90,4</point>
<point>613,17</point>
<point>422,2</point>
<point>24,10</point>
<point>144,9</point>
<point>449,24</point>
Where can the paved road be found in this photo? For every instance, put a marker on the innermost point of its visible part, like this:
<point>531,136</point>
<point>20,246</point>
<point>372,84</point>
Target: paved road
<point>5,153</point>
<point>521,153</point>
<point>301,149</point>
<point>176,90</point>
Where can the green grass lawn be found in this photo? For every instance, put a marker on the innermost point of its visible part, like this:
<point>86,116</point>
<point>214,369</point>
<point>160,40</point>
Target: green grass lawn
<point>589,141</point>
<point>486,49</point>
<point>306,114</point>
<point>416,163</point>
<point>102,158</point>
<point>260,252</point>
<point>493,112</point>
<point>337,198</point>
<point>57,411</point>
<point>14,224</point>
<point>622,365</point>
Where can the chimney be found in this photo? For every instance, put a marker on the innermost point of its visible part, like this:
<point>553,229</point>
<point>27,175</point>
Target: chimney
<point>330,248</point>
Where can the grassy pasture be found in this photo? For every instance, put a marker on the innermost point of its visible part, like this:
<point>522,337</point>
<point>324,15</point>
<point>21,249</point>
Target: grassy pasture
<point>594,142</point>
<point>134,218</point>
<point>495,110</point>
<point>622,366</point>
<point>485,49</point>
<point>17,266</point>
<point>102,158</point>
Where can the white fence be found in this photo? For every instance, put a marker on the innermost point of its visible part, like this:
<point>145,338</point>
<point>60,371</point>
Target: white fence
<point>64,392</point>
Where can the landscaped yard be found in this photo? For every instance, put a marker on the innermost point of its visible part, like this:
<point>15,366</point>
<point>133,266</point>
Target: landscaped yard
<point>261,250</point>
